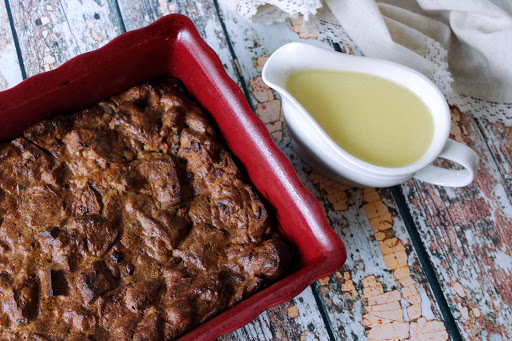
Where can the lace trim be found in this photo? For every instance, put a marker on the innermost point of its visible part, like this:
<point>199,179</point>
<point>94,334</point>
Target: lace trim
<point>269,11</point>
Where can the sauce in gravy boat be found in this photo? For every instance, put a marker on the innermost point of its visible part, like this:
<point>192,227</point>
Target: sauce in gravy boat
<point>318,149</point>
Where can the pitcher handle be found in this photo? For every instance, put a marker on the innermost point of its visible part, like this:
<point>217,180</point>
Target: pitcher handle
<point>456,152</point>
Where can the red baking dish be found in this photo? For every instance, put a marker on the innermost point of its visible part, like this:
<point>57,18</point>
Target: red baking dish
<point>172,47</point>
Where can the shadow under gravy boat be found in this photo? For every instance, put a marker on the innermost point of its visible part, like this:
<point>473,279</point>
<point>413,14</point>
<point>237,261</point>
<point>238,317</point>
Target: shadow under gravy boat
<point>317,149</point>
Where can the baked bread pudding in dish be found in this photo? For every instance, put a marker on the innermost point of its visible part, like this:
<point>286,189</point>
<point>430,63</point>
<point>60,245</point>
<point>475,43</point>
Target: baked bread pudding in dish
<point>128,220</point>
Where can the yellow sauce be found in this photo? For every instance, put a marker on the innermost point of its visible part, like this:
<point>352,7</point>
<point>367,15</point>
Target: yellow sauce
<point>373,119</point>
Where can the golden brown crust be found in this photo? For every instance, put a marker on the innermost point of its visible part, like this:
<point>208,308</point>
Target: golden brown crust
<point>127,221</point>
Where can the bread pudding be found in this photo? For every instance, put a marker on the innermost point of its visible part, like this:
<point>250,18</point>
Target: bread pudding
<point>128,220</point>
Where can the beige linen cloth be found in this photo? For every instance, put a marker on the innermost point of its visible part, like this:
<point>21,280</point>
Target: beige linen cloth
<point>463,46</point>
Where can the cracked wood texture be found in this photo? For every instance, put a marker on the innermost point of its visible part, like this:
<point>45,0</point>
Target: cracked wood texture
<point>467,234</point>
<point>10,72</point>
<point>51,32</point>
<point>382,292</point>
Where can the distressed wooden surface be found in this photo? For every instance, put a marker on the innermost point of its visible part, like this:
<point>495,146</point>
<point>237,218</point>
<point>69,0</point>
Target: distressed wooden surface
<point>203,13</point>
<point>467,235</point>
<point>382,292</point>
<point>499,140</point>
<point>10,72</point>
<point>51,32</point>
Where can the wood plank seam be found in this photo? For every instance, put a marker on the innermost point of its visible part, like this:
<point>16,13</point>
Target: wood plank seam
<point>500,171</point>
<point>323,311</point>
<point>15,39</point>
<point>242,83</point>
<point>385,315</point>
<point>417,243</point>
<point>69,26</point>
<point>121,20</point>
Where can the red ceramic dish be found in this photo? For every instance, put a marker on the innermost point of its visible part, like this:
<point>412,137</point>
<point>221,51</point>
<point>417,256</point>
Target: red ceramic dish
<point>172,47</point>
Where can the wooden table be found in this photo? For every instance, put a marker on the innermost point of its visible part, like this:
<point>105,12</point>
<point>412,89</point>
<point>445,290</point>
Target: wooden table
<point>424,262</point>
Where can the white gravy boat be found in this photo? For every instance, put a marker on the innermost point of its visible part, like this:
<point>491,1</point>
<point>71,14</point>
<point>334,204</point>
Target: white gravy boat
<point>317,149</point>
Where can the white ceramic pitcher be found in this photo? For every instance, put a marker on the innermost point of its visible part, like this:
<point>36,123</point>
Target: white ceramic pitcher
<point>316,148</point>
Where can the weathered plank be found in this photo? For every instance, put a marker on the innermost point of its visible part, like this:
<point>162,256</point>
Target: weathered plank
<point>291,320</point>
<point>203,13</point>
<point>499,140</point>
<point>51,32</point>
<point>382,289</point>
<point>92,23</point>
<point>10,72</point>
<point>467,234</point>
<point>296,318</point>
